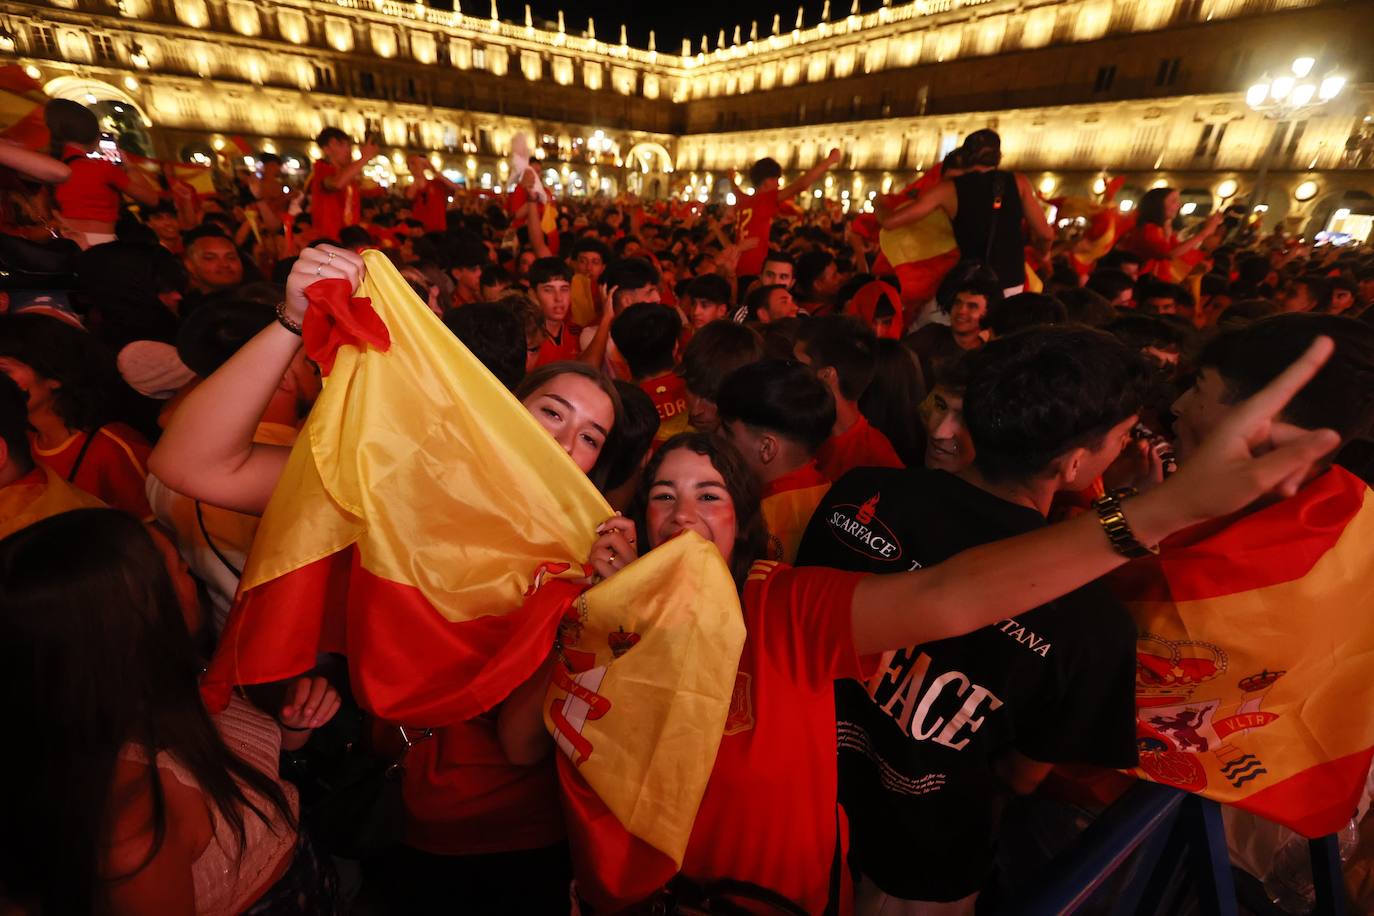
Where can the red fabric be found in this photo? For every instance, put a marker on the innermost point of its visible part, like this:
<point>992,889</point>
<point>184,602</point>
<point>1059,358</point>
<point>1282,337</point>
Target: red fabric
<point>860,446</point>
<point>803,478</point>
<point>515,204</point>
<point>920,280</point>
<point>406,663</point>
<point>1317,801</point>
<point>330,210</point>
<point>29,129</point>
<point>1193,564</point>
<point>430,206</point>
<point>770,812</point>
<point>94,188</point>
<point>462,797</point>
<point>115,469</point>
<point>754,221</point>
<point>865,304</point>
<point>565,348</point>
<point>334,318</point>
<point>241,144</point>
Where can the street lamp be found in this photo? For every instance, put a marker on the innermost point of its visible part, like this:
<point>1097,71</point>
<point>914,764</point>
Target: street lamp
<point>1287,98</point>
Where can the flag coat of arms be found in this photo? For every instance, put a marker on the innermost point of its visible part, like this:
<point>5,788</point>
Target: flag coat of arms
<point>1255,659</point>
<point>637,709</point>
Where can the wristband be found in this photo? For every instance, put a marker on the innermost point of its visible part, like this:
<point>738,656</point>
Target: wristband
<point>1115,526</point>
<point>286,322</point>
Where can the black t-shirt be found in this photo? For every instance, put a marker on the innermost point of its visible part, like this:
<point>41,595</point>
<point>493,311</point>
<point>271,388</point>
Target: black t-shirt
<point>917,742</point>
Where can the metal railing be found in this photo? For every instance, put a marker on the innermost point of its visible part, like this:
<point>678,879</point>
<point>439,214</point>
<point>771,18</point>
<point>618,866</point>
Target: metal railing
<point>1151,849</point>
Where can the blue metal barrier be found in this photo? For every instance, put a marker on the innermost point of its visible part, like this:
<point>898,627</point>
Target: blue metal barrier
<point>1152,849</point>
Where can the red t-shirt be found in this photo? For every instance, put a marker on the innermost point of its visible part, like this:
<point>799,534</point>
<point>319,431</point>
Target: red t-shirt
<point>563,348</point>
<point>754,220</point>
<point>330,210</point>
<point>115,468</point>
<point>462,797</point>
<point>92,192</point>
<point>769,812</point>
<point>860,446</point>
<point>669,394</point>
<point>430,206</point>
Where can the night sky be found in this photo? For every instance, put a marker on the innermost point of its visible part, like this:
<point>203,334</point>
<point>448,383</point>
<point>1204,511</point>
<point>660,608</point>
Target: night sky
<point>672,20</point>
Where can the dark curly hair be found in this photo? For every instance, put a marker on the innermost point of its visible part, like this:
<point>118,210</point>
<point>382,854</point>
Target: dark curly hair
<point>751,531</point>
<point>1034,395</point>
<point>83,368</point>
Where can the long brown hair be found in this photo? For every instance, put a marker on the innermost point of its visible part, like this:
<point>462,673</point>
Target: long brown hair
<point>751,531</point>
<point>94,657</point>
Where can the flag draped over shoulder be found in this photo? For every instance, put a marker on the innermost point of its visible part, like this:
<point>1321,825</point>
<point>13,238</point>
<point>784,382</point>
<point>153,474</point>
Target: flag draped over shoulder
<point>637,710</point>
<point>1255,661</point>
<point>416,508</point>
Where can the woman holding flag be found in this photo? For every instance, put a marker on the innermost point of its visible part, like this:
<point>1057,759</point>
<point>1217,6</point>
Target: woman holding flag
<point>474,820</point>
<point>760,838</point>
<point>805,627</point>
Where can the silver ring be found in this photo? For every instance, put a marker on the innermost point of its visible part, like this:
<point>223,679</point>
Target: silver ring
<point>331,256</point>
<point>319,269</point>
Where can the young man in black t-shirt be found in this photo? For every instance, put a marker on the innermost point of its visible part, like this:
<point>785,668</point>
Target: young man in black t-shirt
<point>942,730</point>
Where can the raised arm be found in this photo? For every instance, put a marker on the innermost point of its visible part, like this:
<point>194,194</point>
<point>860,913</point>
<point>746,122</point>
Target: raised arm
<point>941,196</point>
<point>1040,227</point>
<point>141,188</point>
<point>1248,456</point>
<point>346,175</point>
<point>208,451</point>
<point>534,225</point>
<point>33,164</point>
<point>810,177</point>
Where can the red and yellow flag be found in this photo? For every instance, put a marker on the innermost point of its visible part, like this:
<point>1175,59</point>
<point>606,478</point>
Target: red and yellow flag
<point>21,109</point>
<point>1255,661</point>
<point>415,511</point>
<point>637,710</point>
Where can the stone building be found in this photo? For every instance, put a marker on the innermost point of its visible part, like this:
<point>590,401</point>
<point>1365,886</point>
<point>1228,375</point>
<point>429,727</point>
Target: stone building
<point>1079,89</point>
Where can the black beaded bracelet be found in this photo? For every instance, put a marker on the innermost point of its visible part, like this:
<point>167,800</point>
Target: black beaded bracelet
<point>287,322</point>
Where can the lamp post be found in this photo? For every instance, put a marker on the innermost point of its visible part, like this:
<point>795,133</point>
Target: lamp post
<point>1284,99</point>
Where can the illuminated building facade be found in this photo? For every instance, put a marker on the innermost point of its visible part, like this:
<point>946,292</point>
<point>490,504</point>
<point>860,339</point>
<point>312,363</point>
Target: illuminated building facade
<point>1153,89</point>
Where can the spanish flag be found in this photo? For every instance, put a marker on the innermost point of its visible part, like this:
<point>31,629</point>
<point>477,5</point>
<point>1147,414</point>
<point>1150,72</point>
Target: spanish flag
<point>921,253</point>
<point>21,109</point>
<point>637,709</point>
<point>1255,660</point>
<point>419,507</point>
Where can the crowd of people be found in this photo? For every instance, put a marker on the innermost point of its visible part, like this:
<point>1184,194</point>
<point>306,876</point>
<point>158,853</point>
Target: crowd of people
<point>918,461</point>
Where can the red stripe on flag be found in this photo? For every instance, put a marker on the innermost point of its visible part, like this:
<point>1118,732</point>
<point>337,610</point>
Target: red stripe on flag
<point>1279,543</point>
<point>613,868</point>
<point>406,662</point>
<point>1319,800</point>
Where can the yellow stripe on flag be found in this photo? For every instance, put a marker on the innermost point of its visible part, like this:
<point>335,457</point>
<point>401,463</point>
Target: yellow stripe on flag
<point>421,458</point>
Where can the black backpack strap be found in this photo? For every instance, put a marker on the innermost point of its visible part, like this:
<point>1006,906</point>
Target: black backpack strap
<point>200,520</point>
<point>81,455</point>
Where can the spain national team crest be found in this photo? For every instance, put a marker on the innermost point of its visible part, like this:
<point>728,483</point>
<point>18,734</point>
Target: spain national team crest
<point>1176,719</point>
